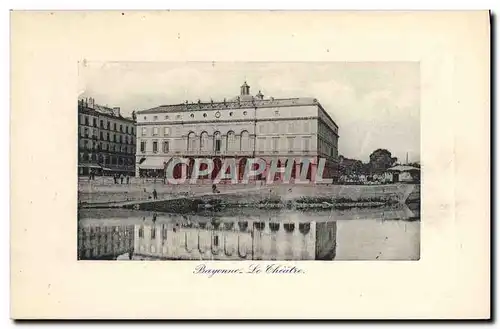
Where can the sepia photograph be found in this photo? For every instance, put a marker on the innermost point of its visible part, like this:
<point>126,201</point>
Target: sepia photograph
<point>346,152</point>
<point>249,161</point>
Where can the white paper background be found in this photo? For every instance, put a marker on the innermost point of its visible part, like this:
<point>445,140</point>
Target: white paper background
<point>451,280</point>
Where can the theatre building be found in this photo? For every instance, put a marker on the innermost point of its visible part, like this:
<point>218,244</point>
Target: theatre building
<point>238,128</point>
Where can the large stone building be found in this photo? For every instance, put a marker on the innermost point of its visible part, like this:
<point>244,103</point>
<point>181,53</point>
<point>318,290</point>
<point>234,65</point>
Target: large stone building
<point>243,127</point>
<point>106,140</point>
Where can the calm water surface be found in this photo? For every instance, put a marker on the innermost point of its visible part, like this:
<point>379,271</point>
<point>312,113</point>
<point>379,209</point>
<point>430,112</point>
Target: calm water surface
<point>251,234</point>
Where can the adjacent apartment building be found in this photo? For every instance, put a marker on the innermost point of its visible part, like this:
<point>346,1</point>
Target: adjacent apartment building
<point>242,127</point>
<point>106,140</point>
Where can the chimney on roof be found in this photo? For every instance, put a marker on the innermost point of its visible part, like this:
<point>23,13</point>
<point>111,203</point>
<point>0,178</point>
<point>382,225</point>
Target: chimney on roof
<point>259,95</point>
<point>116,111</point>
<point>245,89</point>
<point>91,102</point>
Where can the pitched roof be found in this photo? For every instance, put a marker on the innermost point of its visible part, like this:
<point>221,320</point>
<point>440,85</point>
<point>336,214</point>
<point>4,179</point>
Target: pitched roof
<point>403,168</point>
<point>95,112</point>
<point>232,104</point>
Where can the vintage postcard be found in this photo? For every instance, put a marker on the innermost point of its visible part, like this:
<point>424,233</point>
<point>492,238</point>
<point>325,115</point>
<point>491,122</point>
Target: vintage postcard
<point>295,152</point>
<point>323,167</point>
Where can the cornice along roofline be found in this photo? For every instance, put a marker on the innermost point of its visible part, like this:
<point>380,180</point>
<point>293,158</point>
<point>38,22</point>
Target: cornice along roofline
<point>232,104</point>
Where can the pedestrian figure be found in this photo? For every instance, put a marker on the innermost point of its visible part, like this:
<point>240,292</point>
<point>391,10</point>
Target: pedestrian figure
<point>155,194</point>
<point>121,179</point>
<point>115,178</point>
<point>128,179</point>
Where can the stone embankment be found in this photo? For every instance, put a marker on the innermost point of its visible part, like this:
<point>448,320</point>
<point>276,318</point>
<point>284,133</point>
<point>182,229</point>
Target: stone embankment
<point>369,197</point>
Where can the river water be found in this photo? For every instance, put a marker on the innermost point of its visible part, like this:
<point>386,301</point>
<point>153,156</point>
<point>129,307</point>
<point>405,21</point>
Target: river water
<point>391,233</point>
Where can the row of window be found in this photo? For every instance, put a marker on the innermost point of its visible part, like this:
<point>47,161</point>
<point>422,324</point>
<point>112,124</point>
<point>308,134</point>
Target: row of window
<point>88,145</point>
<point>263,128</point>
<point>121,230</point>
<point>192,115</point>
<point>326,148</point>
<point>195,144</point>
<point>106,125</point>
<point>106,160</point>
<point>102,250</point>
<point>164,231</point>
<point>273,144</point>
<point>164,234</point>
<point>217,115</point>
<point>165,147</point>
<point>284,127</point>
<point>155,130</point>
<point>326,133</point>
<point>201,143</point>
<point>110,137</point>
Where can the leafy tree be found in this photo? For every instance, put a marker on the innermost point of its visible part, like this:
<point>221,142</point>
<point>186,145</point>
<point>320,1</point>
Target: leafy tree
<point>381,160</point>
<point>350,166</point>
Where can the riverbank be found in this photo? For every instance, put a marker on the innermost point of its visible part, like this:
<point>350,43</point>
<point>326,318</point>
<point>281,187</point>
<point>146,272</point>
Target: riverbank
<point>97,194</point>
<point>256,198</point>
<point>130,216</point>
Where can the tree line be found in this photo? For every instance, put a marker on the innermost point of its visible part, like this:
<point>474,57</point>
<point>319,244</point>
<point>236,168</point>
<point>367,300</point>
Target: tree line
<point>380,161</point>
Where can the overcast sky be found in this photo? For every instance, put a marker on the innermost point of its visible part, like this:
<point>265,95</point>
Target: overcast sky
<point>376,105</point>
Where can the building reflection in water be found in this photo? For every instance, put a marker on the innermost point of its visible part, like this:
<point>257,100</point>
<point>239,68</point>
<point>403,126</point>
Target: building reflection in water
<point>358,234</point>
<point>104,241</point>
<point>236,240</point>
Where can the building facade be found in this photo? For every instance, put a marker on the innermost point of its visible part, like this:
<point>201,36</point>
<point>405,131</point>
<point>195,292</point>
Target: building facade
<point>243,127</point>
<point>106,140</point>
<point>104,241</point>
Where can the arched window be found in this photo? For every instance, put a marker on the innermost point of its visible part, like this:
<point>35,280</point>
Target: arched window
<point>243,226</point>
<point>304,228</point>
<point>274,227</point>
<point>289,227</point>
<point>259,225</point>
<point>217,142</point>
<point>204,141</point>
<point>244,141</point>
<point>231,141</point>
<point>191,142</point>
